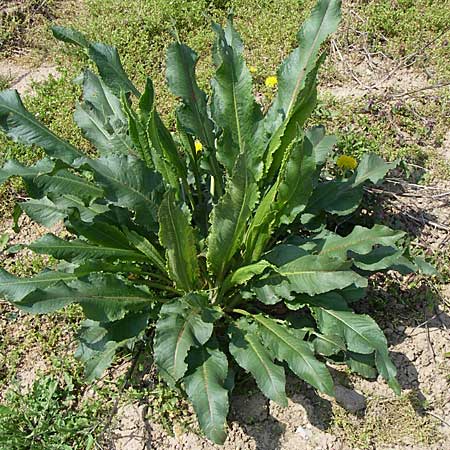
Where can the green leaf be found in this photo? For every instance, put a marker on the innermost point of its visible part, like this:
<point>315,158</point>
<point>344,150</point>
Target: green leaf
<point>322,144</point>
<point>180,74</point>
<point>249,352</point>
<point>329,344</point>
<point>103,298</point>
<point>183,323</point>
<point>13,168</point>
<point>372,168</point>
<point>310,274</point>
<point>137,127</point>
<point>15,288</point>
<point>65,182</point>
<point>285,346</point>
<point>44,211</point>
<point>424,267</point>
<point>296,94</point>
<point>4,238</point>
<point>147,248</point>
<point>129,183</point>
<point>361,333</point>
<point>296,184</point>
<point>110,68</point>
<point>292,74</point>
<point>362,364</point>
<point>100,341</point>
<point>164,150</point>
<point>342,197</point>
<point>21,126</point>
<point>288,130</point>
<point>361,240</point>
<point>78,250</point>
<point>245,273</point>
<point>177,236</point>
<point>380,258</point>
<point>204,385</point>
<point>261,225</point>
<point>98,232</point>
<point>101,119</point>
<point>234,109</point>
<point>70,36</point>
<point>229,217</point>
<point>48,211</point>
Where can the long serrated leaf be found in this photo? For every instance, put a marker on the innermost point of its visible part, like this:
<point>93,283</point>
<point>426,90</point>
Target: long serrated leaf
<point>205,387</point>
<point>103,298</point>
<point>65,182</point>
<point>296,81</point>
<point>78,250</point>
<point>21,126</point>
<point>260,228</point>
<point>129,183</point>
<point>180,73</point>
<point>296,184</point>
<point>100,341</point>
<point>165,153</point>
<point>177,237</point>
<point>234,108</point>
<point>249,352</point>
<point>70,35</point>
<point>16,288</point>
<point>361,240</point>
<point>137,124</point>
<point>285,346</point>
<point>110,68</point>
<point>147,248</point>
<point>310,274</point>
<point>360,332</point>
<point>288,130</point>
<point>230,216</point>
<point>183,323</point>
<point>292,74</point>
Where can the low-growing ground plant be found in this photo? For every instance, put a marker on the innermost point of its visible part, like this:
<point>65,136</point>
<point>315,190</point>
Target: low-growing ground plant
<point>48,417</point>
<point>222,238</point>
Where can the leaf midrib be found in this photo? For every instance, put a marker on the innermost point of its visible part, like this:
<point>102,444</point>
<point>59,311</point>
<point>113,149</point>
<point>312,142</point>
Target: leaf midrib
<point>82,183</point>
<point>330,312</point>
<point>303,70</point>
<point>263,362</point>
<point>295,349</point>
<point>185,276</point>
<point>29,118</point>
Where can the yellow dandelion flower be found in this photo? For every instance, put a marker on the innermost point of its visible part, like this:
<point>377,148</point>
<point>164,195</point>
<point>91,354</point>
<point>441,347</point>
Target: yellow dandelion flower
<point>347,162</point>
<point>253,69</point>
<point>271,81</point>
<point>198,146</point>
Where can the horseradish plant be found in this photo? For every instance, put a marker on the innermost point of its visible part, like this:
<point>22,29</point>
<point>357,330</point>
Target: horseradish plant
<point>212,238</point>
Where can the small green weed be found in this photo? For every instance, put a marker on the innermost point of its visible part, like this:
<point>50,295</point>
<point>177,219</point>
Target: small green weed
<point>387,422</point>
<point>49,416</point>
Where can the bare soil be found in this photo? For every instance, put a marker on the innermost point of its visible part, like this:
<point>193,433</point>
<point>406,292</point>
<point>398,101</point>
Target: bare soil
<point>22,78</point>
